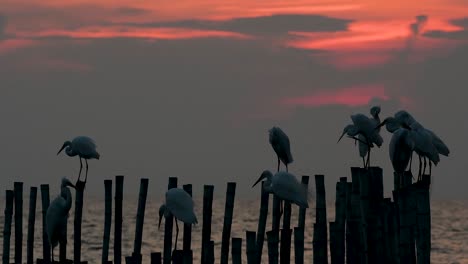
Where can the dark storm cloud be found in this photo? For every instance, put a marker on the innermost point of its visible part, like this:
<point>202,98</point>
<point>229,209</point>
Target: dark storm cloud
<point>459,34</point>
<point>265,25</point>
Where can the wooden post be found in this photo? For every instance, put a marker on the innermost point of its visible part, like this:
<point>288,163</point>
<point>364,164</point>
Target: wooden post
<point>285,244</point>
<point>265,196</point>
<point>251,251</point>
<point>374,215</point>
<point>273,239</point>
<point>206,229</point>
<point>178,257</point>
<point>388,232</point>
<point>364,189</point>
<point>423,240</point>
<point>168,226</point>
<point>320,241</point>
<point>188,253</point>
<point>210,253</point>
<point>333,243</point>
<point>236,250</point>
<point>45,204</point>
<point>156,258</point>
<point>31,221</point>
<point>107,220</point>
<point>275,224</point>
<point>228,212</point>
<point>299,245</point>
<point>302,211</point>
<point>340,221</point>
<point>119,182</point>
<point>80,186</point>
<point>18,188</point>
<point>353,224</point>
<point>140,218</point>
<point>9,199</point>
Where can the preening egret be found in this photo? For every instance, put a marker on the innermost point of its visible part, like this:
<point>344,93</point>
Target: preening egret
<point>400,150</point>
<point>280,143</point>
<point>179,204</point>
<point>57,216</point>
<point>84,148</point>
<point>286,186</point>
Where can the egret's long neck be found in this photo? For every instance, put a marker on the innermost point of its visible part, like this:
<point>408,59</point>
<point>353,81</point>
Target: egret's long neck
<point>268,184</point>
<point>66,194</point>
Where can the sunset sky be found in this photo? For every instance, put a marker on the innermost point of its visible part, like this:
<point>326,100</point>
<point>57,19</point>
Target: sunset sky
<point>190,88</point>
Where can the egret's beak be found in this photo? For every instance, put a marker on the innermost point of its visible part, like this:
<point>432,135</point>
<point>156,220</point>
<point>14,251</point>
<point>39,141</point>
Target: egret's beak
<point>64,145</point>
<point>341,137</point>
<point>71,185</point>
<point>259,180</point>
<point>159,225</point>
<point>381,124</point>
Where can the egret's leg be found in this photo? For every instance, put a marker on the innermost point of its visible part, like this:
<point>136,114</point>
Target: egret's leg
<point>81,168</point>
<point>368,157</point>
<point>364,162</point>
<point>420,166</point>
<point>425,164</point>
<point>410,161</point>
<point>278,163</point>
<point>86,177</point>
<point>430,168</point>
<point>177,233</point>
<point>281,207</point>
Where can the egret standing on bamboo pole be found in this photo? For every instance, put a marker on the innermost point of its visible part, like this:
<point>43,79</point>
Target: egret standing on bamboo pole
<point>180,204</point>
<point>84,148</point>
<point>280,143</point>
<point>57,216</point>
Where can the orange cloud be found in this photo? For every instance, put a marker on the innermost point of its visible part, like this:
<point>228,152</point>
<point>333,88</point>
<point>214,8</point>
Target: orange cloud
<point>10,45</point>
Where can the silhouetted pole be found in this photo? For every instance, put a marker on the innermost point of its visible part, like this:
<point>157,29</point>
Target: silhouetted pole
<point>119,182</point>
<point>45,204</point>
<point>333,243</point>
<point>340,221</point>
<point>210,253</point>
<point>250,249</point>
<point>31,221</point>
<point>285,245</point>
<point>273,240</point>
<point>178,257</point>
<point>275,222</point>
<point>228,212</point>
<point>302,211</point>
<point>320,241</point>
<point>18,188</point>
<point>353,220</point>
<point>136,256</point>
<point>168,226</point>
<point>364,189</point>
<point>188,254</point>
<point>299,245</point>
<point>374,219</point>
<point>236,250</point>
<point>423,241</point>
<point>107,220</point>
<point>206,229</point>
<point>265,196</point>
<point>9,198</point>
<point>156,258</point>
<point>80,186</point>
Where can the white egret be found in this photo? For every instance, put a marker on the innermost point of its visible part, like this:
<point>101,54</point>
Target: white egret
<point>286,186</point>
<point>84,148</point>
<point>57,216</point>
<point>280,143</point>
<point>179,204</point>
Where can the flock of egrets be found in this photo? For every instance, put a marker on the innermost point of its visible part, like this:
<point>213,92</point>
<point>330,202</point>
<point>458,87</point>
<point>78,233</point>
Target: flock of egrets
<point>408,136</point>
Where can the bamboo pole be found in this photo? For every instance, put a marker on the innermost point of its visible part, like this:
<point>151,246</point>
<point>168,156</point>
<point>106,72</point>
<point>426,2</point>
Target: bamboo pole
<point>275,222</point>
<point>285,244</point>
<point>18,189</point>
<point>251,251</point>
<point>206,229</point>
<point>178,257</point>
<point>374,217</point>
<point>31,222</point>
<point>156,258</point>
<point>168,226</point>
<point>364,189</point>
<point>262,221</point>
<point>9,199</point>
<point>236,250</point>
<point>320,241</point>
<point>140,218</point>
<point>210,253</point>
<point>340,220</point>
<point>80,186</point>
<point>107,220</point>
<point>302,211</point>
<point>423,241</point>
<point>299,245</point>
<point>228,213</point>
<point>188,253</point>
<point>353,221</point>
<point>119,182</point>
<point>45,204</point>
<point>273,239</point>
<point>333,243</point>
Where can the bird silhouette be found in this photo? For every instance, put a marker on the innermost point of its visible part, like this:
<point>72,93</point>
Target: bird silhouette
<point>280,143</point>
<point>179,204</point>
<point>57,216</point>
<point>83,147</point>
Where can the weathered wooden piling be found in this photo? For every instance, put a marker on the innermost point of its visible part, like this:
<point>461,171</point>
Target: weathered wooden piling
<point>251,247</point>
<point>168,226</point>
<point>45,198</point>
<point>262,219</point>
<point>320,241</point>
<point>423,221</point>
<point>374,217</point>
<point>31,222</point>
<point>390,241</point>
<point>9,199</point>
<point>119,182</point>
<point>178,257</point>
<point>156,258</point>
<point>236,250</point>
<point>228,213</point>
<point>340,221</point>
<point>302,211</point>
<point>140,218</point>
<point>206,228</point>
<point>273,240</point>
<point>79,195</point>
<point>276,217</point>
<point>333,242</point>
<point>18,189</point>
<point>299,245</point>
<point>210,259</point>
<point>364,189</point>
<point>285,244</point>
<point>107,220</point>
<point>188,253</point>
<point>354,247</point>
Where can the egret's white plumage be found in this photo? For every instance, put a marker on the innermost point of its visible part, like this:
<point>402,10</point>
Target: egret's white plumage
<point>83,147</point>
<point>280,143</point>
<point>179,204</point>
<point>286,186</point>
<point>57,215</point>
<point>400,149</point>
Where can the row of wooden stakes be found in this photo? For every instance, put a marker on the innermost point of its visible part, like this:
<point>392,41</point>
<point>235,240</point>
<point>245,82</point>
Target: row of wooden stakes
<point>367,227</point>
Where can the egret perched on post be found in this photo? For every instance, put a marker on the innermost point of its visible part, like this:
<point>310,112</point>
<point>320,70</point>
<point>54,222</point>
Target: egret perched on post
<point>84,148</point>
<point>57,216</point>
<point>280,143</point>
<point>400,150</point>
<point>179,204</point>
<point>286,186</point>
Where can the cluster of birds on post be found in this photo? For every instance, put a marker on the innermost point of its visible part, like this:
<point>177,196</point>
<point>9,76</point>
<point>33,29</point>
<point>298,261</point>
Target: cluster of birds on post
<point>408,136</point>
